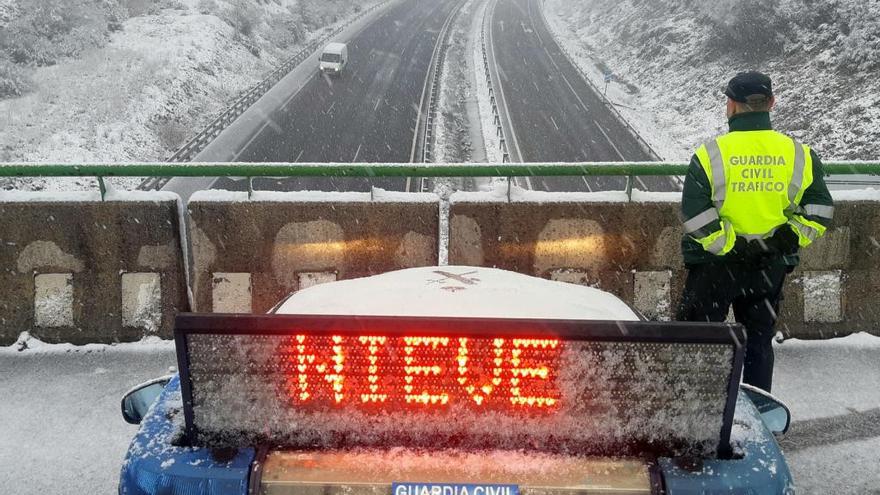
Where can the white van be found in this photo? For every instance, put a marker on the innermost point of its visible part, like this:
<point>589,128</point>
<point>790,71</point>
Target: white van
<point>333,59</point>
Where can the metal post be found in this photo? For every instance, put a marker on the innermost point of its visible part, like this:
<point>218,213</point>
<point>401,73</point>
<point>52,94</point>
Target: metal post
<point>629,188</point>
<point>102,187</point>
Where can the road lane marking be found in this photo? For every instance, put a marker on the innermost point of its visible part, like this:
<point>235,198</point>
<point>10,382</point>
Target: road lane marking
<point>584,178</point>
<point>610,141</point>
<point>514,152</point>
<point>534,25</point>
<point>299,155</point>
<point>576,95</point>
<point>358,152</point>
<point>584,106</point>
<point>253,138</point>
<point>554,122</point>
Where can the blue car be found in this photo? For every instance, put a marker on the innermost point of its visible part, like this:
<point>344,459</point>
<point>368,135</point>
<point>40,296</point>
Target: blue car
<point>208,430</point>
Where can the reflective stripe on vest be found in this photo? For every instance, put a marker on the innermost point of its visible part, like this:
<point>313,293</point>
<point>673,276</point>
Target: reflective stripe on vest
<point>698,222</point>
<point>719,180</point>
<point>805,230</point>
<point>797,176</point>
<point>718,246</point>
<point>823,211</point>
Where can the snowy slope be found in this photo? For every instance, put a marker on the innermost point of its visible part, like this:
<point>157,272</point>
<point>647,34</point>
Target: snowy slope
<point>672,57</point>
<point>157,81</point>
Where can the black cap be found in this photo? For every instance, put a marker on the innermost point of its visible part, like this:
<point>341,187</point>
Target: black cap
<point>745,86</point>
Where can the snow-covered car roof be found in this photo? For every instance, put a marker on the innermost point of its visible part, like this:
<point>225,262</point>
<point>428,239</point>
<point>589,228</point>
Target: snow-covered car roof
<point>334,47</point>
<point>458,291</point>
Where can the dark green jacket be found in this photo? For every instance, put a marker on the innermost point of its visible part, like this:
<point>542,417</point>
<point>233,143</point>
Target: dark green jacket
<point>697,194</point>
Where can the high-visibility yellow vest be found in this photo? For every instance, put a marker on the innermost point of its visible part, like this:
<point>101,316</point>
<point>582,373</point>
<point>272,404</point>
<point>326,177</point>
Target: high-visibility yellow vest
<point>757,179</point>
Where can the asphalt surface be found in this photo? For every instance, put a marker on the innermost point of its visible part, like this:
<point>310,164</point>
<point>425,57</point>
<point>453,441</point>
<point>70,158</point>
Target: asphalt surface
<point>555,114</point>
<point>369,114</point>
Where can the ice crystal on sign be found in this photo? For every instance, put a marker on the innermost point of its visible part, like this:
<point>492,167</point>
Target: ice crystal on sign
<point>305,391</point>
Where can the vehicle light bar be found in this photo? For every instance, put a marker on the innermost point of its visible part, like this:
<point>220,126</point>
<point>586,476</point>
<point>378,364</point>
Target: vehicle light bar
<point>591,387</point>
<point>377,471</point>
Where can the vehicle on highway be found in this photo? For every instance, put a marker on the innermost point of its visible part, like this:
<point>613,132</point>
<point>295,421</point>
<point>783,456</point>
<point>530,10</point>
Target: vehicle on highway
<point>453,380</point>
<point>334,58</point>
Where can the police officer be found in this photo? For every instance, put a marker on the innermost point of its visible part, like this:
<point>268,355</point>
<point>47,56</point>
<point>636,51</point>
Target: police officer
<point>752,198</point>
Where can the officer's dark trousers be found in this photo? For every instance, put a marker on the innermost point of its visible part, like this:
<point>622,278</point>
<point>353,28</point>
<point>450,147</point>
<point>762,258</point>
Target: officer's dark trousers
<point>755,294</point>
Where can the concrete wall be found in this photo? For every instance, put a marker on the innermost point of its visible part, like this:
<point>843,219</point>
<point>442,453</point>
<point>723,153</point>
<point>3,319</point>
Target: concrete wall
<point>632,250</point>
<point>248,255</point>
<point>89,271</point>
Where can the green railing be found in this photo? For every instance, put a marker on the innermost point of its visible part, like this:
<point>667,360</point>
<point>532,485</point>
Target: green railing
<point>251,170</point>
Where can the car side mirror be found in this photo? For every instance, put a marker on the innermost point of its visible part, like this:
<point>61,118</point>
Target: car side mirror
<point>138,400</point>
<point>773,411</point>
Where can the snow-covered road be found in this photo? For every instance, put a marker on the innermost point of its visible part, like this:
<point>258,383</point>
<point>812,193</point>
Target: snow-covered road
<point>61,431</point>
<point>833,390</point>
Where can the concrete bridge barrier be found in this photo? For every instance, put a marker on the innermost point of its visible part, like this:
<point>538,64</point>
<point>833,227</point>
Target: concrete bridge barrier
<point>250,254</point>
<point>632,250</point>
<point>76,269</point>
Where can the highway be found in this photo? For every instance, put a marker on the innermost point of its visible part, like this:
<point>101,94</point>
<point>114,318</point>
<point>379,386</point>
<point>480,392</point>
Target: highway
<point>556,116</point>
<point>369,114</point>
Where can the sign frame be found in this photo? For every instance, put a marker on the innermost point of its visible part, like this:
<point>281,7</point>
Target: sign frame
<point>570,330</point>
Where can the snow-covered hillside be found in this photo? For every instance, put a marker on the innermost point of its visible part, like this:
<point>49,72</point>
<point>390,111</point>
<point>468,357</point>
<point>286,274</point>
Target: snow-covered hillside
<point>672,57</point>
<point>163,73</point>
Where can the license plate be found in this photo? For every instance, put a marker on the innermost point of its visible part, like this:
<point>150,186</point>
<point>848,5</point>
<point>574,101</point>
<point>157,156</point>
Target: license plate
<point>409,488</point>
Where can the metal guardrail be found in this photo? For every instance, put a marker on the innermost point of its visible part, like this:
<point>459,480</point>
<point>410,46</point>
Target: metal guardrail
<point>196,169</point>
<point>493,101</point>
<point>424,138</point>
<point>251,170</point>
<point>201,140</point>
<point>611,107</point>
<point>433,82</point>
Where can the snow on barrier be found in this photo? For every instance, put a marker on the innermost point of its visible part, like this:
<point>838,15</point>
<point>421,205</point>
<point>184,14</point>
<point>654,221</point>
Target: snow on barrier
<point>633,250</point>
<point>566,386</point>
<point>78,269</point>
<point>249,255</point>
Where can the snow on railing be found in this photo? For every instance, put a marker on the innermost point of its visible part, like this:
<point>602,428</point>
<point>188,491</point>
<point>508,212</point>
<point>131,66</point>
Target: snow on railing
<point>280,169</point>
<point>251,170</point>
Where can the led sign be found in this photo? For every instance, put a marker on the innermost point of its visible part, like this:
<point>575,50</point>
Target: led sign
<point>421,371</point>
<point>582,386</point>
